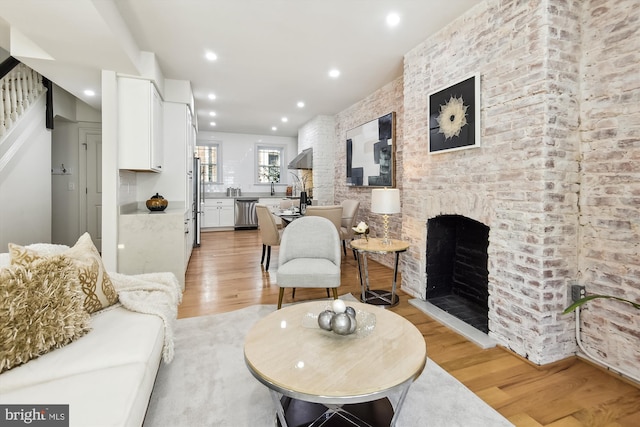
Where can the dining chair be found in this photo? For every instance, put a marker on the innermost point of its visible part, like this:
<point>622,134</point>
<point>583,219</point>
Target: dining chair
<point>349,218</point>
<point>286,204</point>
<point>332,213</point>
<point>309,256</point>
<point>269,232</point>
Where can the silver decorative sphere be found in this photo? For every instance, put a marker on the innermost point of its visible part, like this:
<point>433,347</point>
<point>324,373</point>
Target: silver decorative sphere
<point>341,324</point>
<point>354,323</point>
<point>324,320</point>
<point>351,311</point>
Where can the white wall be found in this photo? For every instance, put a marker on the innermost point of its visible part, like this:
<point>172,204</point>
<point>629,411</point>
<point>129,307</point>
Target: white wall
<point>3,54</point>
<point>110,175</point>
<point>238,160</point>
<point>71,108</point>
<point>29,193</point>
<point>71,114</point>
<point>25,182</point>
<point>66,210</point>
<point>64,187</point>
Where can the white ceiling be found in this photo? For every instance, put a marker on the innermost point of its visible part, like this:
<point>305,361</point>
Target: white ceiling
<point>271,53</point>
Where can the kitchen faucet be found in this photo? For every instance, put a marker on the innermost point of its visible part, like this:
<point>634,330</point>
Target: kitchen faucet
<point>273,189</point>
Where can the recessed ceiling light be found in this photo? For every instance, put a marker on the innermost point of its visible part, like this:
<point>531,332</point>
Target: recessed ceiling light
<point>300,104</point>
<point>393,19</point>
<point>211,56</point>
<point>273,128</point>
<point>212,123</point>
<point>284,120</point>
<point>212,96</point>
<point>334,73</point>
<point>89,92</point>
<point>212,113</point>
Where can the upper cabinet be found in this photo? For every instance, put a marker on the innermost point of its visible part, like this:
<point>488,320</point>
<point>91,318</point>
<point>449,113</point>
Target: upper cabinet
<point>176,179</point>
<point>140,116</point>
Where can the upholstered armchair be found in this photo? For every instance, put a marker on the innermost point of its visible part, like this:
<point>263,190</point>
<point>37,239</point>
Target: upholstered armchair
<point>309,256</point>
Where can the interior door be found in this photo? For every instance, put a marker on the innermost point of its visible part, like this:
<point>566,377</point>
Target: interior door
<point>93,204</point>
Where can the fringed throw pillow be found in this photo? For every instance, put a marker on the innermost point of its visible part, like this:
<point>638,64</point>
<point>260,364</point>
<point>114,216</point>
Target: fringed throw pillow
<point>96,283</point>
<point>41,308</point>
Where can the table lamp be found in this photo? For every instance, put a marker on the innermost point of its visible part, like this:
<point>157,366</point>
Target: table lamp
<point>385,201</point>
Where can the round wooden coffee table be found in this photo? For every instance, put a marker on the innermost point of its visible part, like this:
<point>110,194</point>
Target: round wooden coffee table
<point>315,374</point>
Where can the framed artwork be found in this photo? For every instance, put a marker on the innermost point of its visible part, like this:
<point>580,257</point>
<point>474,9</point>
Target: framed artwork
<point>454,116</point>
<point>371,153</point>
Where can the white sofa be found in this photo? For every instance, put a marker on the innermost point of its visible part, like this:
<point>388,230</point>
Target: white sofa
<point>106,376</point>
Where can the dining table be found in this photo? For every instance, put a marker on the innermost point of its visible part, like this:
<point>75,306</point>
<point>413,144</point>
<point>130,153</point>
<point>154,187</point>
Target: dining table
<point>287,216</point>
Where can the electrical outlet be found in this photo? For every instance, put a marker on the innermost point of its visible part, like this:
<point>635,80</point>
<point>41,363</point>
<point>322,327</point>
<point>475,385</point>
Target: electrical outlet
<point>577,292</point>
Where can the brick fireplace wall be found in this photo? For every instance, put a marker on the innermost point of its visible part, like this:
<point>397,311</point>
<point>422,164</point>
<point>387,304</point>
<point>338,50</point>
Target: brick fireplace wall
<point>609,251</point>
<point>522,181</point>
<point>557,177</point>
<point>528,180</point>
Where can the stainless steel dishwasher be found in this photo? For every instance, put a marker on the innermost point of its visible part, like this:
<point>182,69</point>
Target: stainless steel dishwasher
<point>246,216</point>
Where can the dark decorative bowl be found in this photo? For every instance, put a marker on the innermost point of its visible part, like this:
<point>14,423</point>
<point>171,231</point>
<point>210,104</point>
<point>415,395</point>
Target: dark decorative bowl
<point>157,203</point>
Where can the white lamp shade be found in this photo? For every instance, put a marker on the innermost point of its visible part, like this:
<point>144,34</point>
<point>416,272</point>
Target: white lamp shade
<point>385,200</point>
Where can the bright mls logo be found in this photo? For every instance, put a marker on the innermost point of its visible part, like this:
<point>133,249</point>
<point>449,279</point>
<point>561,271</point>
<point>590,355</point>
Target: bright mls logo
<point>34,415</point>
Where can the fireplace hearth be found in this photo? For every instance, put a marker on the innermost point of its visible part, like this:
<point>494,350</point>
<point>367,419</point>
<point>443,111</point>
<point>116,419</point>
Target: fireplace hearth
<point>457,275</point>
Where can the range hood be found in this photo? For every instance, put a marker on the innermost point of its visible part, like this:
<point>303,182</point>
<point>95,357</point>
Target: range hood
<point>304,160</point>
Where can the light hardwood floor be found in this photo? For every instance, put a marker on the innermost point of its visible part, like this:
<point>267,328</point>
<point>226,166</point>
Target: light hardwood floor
<point>225,274</point>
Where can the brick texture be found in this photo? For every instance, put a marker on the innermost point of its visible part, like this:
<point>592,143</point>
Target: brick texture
<point>609,250</point>
<point>384,101</point>
<point>319,134</point>
<point>556,177</point>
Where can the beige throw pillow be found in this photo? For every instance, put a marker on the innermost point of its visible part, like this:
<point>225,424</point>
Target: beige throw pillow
<point>94,280</point>
<point>41,308</point>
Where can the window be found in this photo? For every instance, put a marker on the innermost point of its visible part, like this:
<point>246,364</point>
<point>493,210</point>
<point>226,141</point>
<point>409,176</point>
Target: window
<point>270,163</point>
<point>210,163</point>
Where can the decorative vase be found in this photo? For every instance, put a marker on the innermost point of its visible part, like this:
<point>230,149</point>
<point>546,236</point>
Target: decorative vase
<point>157,203</point>
<point>303,202</point>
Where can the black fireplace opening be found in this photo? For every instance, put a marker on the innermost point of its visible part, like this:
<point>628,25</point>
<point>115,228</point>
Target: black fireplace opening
<point>457,274</point>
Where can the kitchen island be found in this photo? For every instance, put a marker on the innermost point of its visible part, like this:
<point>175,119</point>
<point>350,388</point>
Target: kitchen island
<point>152,242</point>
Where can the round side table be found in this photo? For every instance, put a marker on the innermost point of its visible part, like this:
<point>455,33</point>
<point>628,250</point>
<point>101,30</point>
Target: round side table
<point>362,247</point>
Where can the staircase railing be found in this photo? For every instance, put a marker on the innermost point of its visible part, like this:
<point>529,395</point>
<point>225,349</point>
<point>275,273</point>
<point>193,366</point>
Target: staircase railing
<point>7,65</point>
<point>19,88</point>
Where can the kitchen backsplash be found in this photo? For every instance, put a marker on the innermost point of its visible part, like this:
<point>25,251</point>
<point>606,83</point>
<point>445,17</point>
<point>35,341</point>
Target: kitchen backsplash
<point>128,187</point>
<point>237,156</point>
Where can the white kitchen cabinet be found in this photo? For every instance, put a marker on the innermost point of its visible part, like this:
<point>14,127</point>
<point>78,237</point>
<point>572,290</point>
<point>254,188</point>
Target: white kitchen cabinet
<point>140,125</point>
<point>188,238</point>
<point>273,203</point>
<point>227,216</point>
<point>219,213</point>
<point>175,183</point>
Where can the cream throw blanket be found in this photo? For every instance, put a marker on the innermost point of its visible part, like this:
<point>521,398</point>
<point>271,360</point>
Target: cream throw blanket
<point>152,293</point>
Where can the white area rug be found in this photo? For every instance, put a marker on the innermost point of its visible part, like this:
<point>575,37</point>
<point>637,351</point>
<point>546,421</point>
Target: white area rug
<point>208,384</point>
